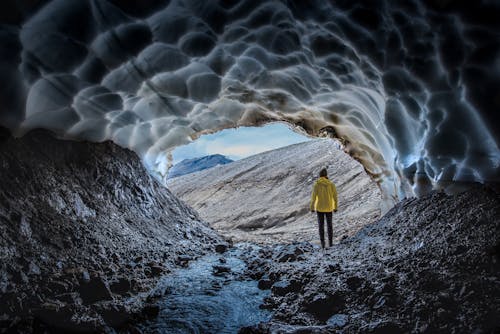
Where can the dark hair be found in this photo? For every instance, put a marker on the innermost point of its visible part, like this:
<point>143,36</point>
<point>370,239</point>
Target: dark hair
<point>323,173</point>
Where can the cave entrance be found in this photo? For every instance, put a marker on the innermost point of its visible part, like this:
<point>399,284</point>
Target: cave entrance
<point>261,188</point>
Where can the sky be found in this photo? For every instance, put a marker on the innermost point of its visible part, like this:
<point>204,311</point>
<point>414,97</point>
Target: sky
<point>239,143</point>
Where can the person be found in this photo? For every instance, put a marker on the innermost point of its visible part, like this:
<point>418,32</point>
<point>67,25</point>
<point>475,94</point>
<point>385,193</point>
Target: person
<point>324,202</point>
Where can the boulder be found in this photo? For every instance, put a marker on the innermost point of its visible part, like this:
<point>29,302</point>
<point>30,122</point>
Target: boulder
<point>283,287</point>
<point>96,289</point>
<point>322,306</point>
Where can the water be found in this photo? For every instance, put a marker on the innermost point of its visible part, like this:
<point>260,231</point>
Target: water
<point>197,301</point>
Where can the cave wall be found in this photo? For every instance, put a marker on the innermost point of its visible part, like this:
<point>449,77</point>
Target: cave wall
<point>410,87</point>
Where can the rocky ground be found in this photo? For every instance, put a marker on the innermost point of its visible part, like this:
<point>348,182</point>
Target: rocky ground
<point>430,265</point>
<point>85,233</point>
<point>265,198</point>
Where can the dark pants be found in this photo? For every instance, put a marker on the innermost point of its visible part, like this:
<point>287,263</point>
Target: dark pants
<point>321,224</point>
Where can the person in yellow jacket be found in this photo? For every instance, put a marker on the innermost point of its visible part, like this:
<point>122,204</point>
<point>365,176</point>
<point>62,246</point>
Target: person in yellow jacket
<point>324,202</point>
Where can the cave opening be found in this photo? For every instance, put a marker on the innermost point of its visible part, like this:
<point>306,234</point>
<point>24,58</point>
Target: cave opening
<point>409,88</point>
<point>259,188</point>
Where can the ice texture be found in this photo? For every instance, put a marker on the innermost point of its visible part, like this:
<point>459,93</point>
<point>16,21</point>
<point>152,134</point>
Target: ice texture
<point>410,87</point>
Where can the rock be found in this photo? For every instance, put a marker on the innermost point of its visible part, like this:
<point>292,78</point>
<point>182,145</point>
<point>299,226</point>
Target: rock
<point>386,327</point>
<point>58,287</point>
<point>332,268</point>
<point>265,283</point>
<point>62,319</point>
<point>183,260</point>
<point>122,286</point>
<point>138,259</point>
<point>290,253</point>
<point>94,290</point>
<point>85,276</point>
<point>150,311</point>
<point>281,288</point>
<point>221,270</point>
<point>4,133</point>
<point>337,320</point>
<point>115,316</point>
<point>156,270</point>
<point>354,282</point>
<point>34,269</point>
<point>220,248</point>
<point>322,305</point>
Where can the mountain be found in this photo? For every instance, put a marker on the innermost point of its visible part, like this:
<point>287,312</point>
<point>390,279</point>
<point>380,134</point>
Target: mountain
<point>265,197</point>
<point>188,166</point>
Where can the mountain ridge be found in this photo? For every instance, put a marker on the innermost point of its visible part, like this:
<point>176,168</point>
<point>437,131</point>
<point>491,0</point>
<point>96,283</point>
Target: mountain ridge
<point>265,198</point>
<point>188,166</point>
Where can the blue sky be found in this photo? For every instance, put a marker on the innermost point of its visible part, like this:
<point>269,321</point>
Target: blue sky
<point>240,142</point>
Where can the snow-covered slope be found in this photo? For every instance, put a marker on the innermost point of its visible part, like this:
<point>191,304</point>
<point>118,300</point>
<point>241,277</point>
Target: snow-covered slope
<point>188,166</point>
<point>265,197</point>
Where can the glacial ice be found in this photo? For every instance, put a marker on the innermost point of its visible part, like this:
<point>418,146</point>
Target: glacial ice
<point>410,87</point>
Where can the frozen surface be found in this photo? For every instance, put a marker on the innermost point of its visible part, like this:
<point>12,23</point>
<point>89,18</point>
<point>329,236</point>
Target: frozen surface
<point>411,87</point>
<point>204,298</point>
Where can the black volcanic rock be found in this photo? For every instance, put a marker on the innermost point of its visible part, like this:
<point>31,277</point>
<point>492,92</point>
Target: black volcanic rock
<point>84,221</point>
<point>188,166</point>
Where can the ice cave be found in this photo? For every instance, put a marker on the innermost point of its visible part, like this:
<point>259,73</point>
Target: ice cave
<point>96,93</point>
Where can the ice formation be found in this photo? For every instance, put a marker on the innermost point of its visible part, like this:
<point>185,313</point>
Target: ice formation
<point>410,87</point>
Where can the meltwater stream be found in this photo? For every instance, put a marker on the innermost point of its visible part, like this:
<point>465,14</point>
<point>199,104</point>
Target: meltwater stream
<point>205,298</point>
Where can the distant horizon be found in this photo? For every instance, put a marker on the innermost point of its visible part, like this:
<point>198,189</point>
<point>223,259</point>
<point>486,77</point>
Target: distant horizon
<point>239,143</point>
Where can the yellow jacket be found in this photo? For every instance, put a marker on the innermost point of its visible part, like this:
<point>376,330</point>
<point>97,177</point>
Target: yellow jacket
<point>324,196</point>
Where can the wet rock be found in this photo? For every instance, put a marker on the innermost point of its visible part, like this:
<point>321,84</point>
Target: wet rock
<point>94,290</point>
<point>183,260</point>
<point>220,248</point>
<point>221,270</point>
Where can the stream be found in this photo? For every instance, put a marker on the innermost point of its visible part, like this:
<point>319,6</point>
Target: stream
<point>210,296</point>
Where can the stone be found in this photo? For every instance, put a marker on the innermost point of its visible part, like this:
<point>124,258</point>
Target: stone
<point>354,282</point>
<point>323,306</point>
<point>337,320</point>
<point>85,276</point>
<point>94,290</point>
<point>220,248</point>
<point>156,270</point>
<point>150,310</point>
<point>384,327</point>
<point>283,287</point>
<point>122,286</point>
<point>221,270</point>
<point>265,283</point>
<point>115,316</point>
